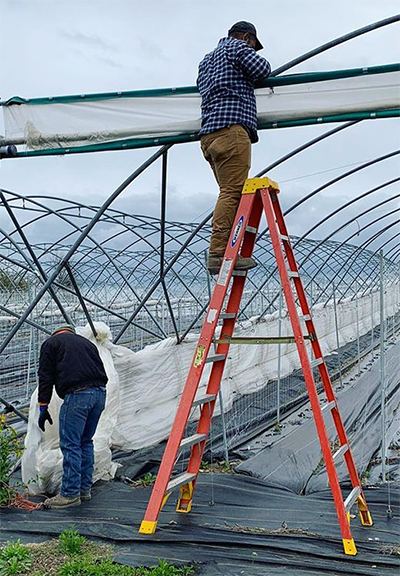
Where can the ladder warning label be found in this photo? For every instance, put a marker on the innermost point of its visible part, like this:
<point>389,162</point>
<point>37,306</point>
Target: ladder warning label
<point>212,314</point>
<point>198,359</point>
<point>224,272</point>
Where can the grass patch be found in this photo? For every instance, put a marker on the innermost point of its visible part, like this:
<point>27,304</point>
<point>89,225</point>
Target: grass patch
<point>72,555</point>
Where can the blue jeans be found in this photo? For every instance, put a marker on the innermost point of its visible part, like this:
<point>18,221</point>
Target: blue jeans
<point>79,416</point>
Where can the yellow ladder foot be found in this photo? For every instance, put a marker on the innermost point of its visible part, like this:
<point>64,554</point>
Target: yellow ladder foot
<point>147,527</point>
<point>349,547</point>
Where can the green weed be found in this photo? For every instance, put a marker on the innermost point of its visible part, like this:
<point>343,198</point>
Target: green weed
<point>71,542</point>
<point>15,559</point>
<point>146,480</point>
<point>10,452</point>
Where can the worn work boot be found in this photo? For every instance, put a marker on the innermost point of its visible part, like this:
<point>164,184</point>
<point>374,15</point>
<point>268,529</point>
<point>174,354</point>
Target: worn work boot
<point>214,263</point>
<point>62,502</point>
<point>245,263</point>
<point>86,496</point>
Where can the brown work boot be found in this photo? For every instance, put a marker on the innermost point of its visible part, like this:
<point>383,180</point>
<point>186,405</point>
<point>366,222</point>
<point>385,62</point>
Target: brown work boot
<point>62,502</point>
<point>245,263</point>
<point>86,496</point>
<point>214,263</point>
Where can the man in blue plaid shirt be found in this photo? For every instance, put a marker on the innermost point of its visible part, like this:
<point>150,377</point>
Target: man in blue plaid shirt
<point>229,125</point>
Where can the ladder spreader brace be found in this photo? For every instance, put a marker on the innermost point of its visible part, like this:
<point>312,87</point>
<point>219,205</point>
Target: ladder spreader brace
<point>258,194</point>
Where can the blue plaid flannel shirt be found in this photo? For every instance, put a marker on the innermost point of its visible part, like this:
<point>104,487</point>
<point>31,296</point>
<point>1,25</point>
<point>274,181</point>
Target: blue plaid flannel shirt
<point>226,84</point>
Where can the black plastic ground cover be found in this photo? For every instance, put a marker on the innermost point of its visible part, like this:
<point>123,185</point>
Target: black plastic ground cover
<point>292,458</point>
<point>218,535</point>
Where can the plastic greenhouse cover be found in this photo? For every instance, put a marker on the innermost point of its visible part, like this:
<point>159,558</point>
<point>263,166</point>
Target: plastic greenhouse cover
<point>71,121</point>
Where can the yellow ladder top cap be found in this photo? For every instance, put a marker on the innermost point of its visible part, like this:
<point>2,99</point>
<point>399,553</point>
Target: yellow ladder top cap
<point>253,184</point>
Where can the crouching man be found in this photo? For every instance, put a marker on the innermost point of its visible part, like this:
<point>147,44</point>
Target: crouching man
<point>72,364</point>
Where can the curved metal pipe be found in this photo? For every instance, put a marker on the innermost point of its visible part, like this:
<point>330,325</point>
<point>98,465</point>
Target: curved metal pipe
<point>336,42</point>
<point>317,191</point>
<point>330,255</point>
<point>79,241</point>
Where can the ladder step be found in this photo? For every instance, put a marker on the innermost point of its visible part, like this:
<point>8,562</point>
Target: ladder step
<point>293,274</point>
<point>239,272</point>
<point>227,315</point>
<point>204,399</point>
<point>180,481</point>
<point>258,340</point>
<point>352,497</point>
<point>215,358</point>
<point>342,450</point>
<point>283,237</point>
<point>251,229</point>
<point>316,362</point>
<point>328,406</point>
<point>190,440</point>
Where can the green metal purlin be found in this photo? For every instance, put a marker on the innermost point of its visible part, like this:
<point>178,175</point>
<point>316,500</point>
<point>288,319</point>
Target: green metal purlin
<point>187,90</point>
<point>130,144</point>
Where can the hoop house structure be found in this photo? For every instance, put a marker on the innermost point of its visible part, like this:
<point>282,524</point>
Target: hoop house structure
<point>138,286</point>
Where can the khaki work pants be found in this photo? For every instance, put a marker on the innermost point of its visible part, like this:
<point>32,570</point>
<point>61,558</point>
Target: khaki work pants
<point>228,152</point>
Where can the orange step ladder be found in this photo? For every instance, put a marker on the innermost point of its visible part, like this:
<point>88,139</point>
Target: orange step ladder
<point>258,194</point>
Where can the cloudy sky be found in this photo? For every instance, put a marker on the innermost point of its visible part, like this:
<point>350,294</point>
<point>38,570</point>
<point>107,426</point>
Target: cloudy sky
<point>52,47</point>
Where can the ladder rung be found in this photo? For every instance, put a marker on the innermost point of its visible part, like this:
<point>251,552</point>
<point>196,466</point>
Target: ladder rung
<point>239,272</point>
<point>251,229</point>
<point>293,274</point>
<point>342,450</point>
<point>190,440</point>
<point>215,358</point>
<point>328,406</point>
<point>283,237</point>
<point>258,340</point>
<point>352,497</point>
<point>204,399</point>
<point>227,315</point>
<point>180,481</point>
<point>316,362</point>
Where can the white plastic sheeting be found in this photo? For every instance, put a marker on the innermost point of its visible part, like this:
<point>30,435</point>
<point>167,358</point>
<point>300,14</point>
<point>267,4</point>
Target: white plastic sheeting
<point>86,122</point>
<point>144,387</point>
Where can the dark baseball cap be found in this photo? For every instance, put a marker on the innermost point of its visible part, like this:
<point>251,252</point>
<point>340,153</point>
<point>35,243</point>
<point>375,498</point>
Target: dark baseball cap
<point>243,26</point>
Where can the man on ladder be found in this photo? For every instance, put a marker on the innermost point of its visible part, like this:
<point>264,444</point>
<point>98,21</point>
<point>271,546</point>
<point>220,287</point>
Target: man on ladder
<point>229,126</point>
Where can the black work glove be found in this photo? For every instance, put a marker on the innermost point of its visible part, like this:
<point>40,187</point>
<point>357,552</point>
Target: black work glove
<point>43,416</point>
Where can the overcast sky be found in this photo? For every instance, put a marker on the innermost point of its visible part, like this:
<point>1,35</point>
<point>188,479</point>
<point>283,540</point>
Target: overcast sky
<point>52,47</point>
